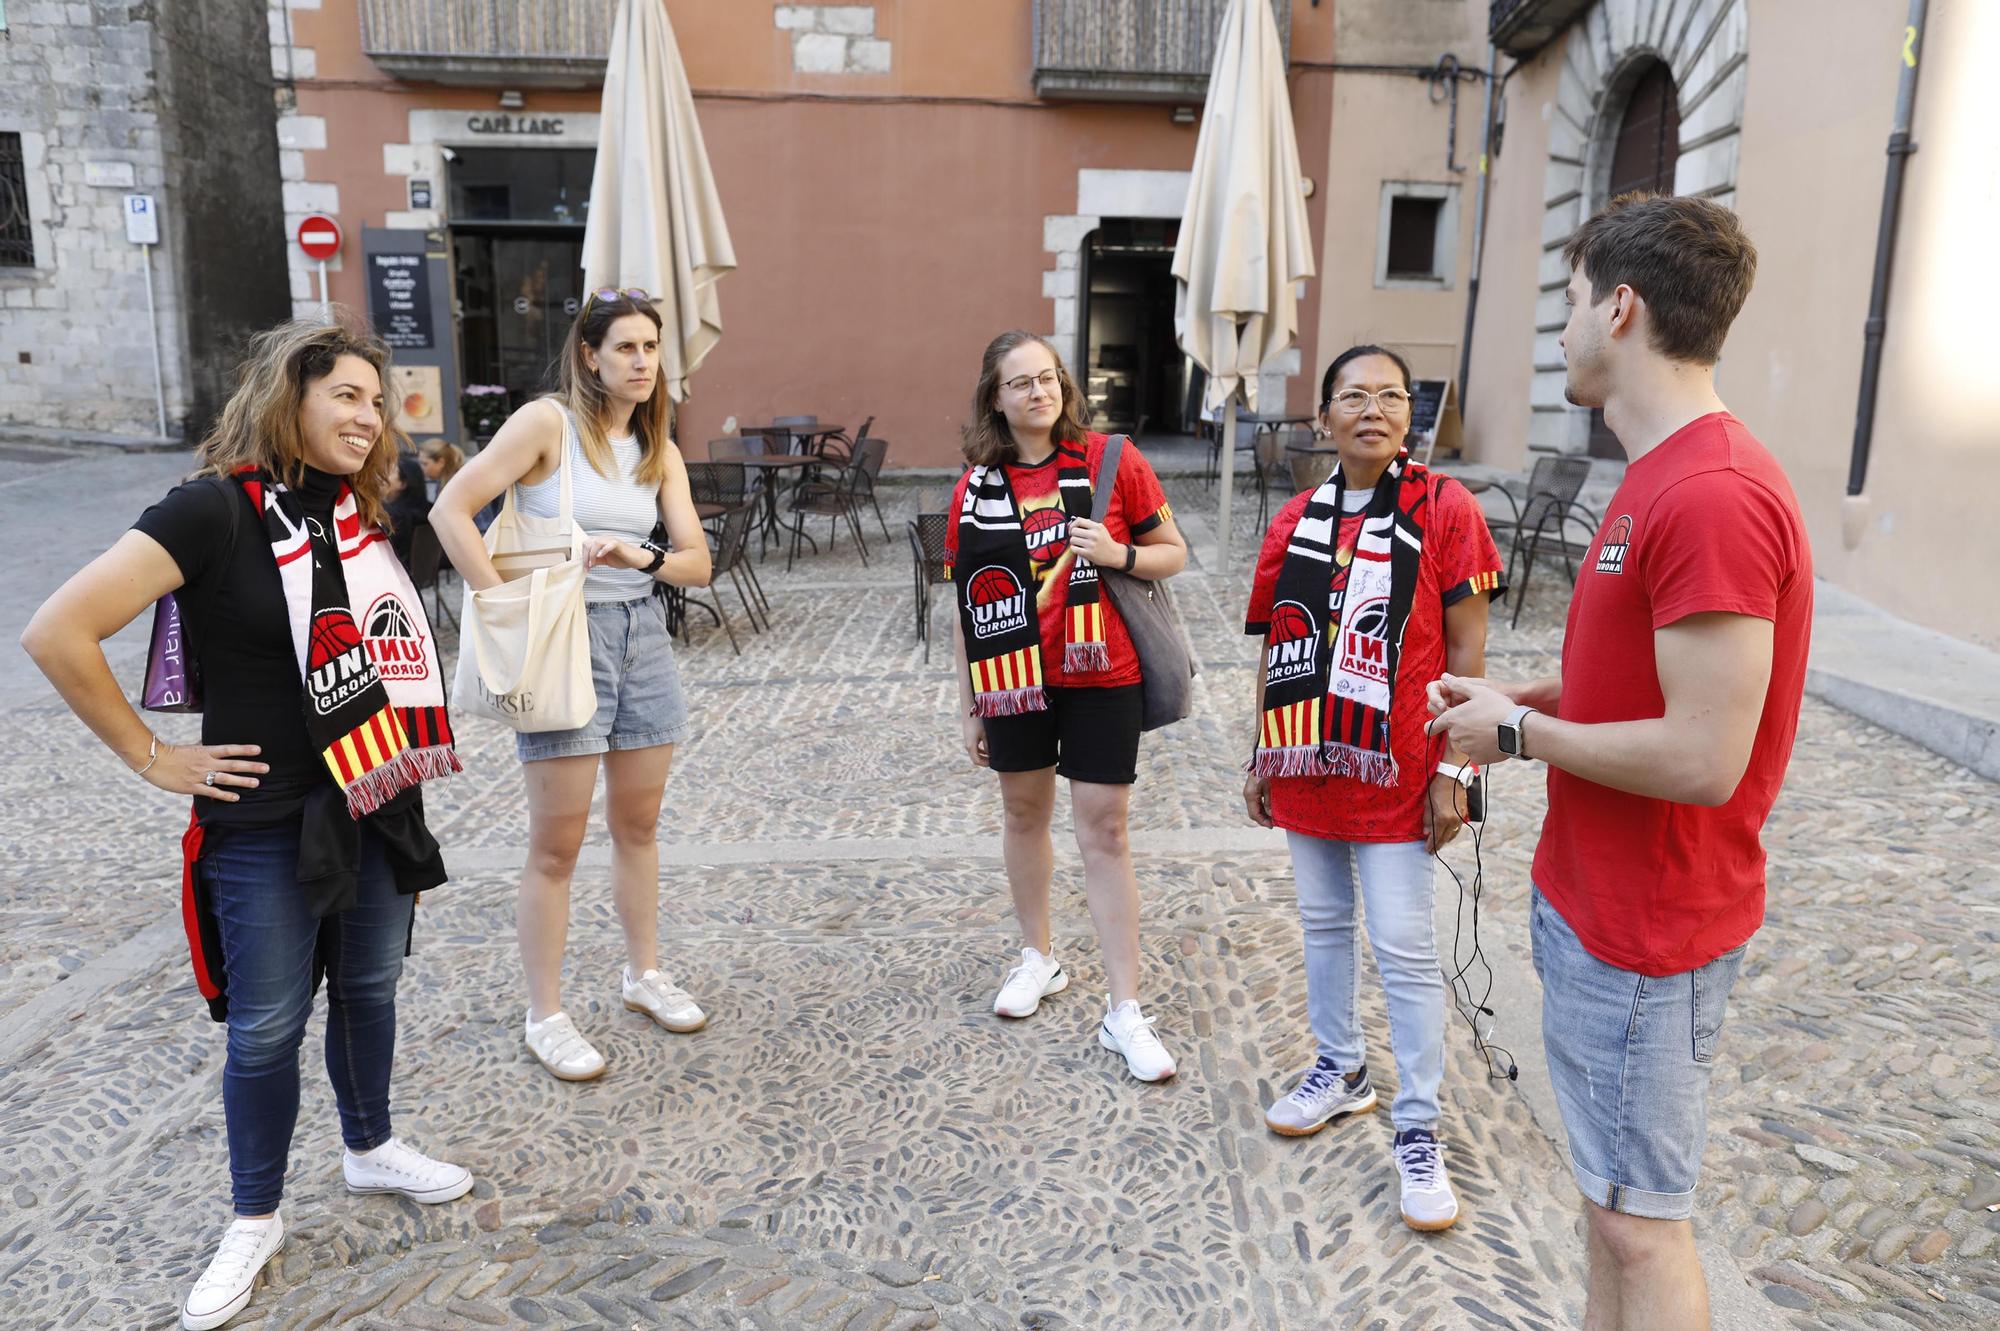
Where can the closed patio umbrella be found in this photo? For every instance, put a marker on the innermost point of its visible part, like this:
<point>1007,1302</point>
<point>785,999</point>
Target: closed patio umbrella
<point>1244,244</point>
<point>655,219</point>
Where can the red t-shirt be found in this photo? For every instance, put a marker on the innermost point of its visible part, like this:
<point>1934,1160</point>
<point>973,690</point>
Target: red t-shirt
<point>1704,522</point>
<point>1137,506</point>
<point>1458,557</point>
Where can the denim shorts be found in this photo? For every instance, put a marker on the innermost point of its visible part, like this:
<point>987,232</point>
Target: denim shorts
<point>639,698</point>
<point>1629,1057</point>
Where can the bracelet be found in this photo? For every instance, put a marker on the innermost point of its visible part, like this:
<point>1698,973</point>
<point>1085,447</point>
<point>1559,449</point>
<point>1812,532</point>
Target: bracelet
<point>659,557</point>
<point>152,755</point>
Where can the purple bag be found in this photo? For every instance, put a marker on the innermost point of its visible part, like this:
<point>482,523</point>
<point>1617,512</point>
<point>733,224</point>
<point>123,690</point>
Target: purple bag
<point>173,679</point>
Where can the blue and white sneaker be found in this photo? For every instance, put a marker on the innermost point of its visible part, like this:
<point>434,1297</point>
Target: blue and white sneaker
<point>1428,1203</point>
<point>1321,1096</point>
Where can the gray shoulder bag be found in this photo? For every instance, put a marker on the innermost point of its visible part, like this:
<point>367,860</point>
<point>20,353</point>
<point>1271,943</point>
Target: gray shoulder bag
<point>1165,659</point>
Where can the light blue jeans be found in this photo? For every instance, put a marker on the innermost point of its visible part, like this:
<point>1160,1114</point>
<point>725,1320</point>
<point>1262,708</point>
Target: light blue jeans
<point>1393,880</point>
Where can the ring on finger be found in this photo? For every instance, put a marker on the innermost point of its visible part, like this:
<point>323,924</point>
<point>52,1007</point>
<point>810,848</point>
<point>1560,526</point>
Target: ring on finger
<point>209,780</point>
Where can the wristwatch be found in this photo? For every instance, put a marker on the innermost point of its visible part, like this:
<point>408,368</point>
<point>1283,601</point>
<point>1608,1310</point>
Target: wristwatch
<point>659,557</point>
<point>1511,742</point>
<point>1465,775</point>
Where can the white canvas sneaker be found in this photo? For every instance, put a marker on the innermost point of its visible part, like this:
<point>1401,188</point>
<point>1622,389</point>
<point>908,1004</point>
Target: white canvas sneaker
<point>394,1167</point>
<point>1321,1096</point>
<point>559,1047</point>
<point>1128,1032</point>
<point>1428,1203</point>
<point>1029,983</point>
<point>224,1288</point>
<point>659,998</point>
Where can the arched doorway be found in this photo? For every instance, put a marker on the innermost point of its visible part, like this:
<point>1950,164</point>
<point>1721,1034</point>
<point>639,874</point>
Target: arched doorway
<point>1643,156</point>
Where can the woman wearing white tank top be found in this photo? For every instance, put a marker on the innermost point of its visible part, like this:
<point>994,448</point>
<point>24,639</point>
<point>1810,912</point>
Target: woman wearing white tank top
<point>610,413</point>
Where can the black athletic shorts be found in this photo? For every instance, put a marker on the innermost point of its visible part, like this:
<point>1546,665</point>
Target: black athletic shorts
<point>1087,734</point>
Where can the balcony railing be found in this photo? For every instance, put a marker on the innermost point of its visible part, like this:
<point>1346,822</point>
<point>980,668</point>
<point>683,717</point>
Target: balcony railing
<point>537,43</point>
<point>1132,50</point>
<point>1523,27</point>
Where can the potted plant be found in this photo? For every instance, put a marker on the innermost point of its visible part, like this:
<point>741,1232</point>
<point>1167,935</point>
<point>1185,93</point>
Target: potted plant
<point>483,408</point>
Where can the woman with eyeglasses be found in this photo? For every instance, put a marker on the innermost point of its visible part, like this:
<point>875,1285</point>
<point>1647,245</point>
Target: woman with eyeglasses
<point>1048,679</point>
<point>610,416</point>
<point>1367,589</point>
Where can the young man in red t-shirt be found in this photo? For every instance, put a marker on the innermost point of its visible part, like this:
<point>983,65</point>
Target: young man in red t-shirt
<point>1666,738</point>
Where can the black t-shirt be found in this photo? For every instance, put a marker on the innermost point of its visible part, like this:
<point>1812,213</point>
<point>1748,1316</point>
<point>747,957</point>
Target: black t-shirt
<point>240,633</point>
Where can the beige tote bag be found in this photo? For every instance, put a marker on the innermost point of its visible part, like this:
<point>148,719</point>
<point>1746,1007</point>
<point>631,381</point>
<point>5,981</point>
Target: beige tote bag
<point>524,646</point>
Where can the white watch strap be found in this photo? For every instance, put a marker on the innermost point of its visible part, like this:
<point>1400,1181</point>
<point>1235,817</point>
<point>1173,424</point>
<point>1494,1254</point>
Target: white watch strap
<point>1463,775</point>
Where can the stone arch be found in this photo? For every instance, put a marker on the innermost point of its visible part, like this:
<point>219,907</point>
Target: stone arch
<point>1705,43</point>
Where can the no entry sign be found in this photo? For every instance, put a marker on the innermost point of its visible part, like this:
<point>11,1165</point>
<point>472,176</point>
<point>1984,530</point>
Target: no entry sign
<point>319,237</point>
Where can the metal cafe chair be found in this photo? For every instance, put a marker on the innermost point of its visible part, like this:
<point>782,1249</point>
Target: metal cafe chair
<point>927,533</point>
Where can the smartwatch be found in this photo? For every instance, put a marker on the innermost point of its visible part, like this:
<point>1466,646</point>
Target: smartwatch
<point>1131,556</point>
<point>1510,731</point>
<point>1465,775</point>
<point>659,558</point>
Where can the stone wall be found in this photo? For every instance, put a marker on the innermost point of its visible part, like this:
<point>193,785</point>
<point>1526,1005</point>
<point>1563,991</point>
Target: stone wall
<point>109,102</point>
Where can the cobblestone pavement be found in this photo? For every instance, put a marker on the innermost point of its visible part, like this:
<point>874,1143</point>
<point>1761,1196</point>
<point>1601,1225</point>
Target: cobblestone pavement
<point>855,1142</point>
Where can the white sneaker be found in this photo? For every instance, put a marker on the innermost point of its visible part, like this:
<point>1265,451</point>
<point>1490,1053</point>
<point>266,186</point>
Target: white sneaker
<point>394,1167</point>
<point>1126,1031</point>
<point>1029,983</point>
<point>1428,1203</point>
<point>659,998</point>
<point>224,1288</point>
<point>1321,1096</point>
<point>556,1044</point>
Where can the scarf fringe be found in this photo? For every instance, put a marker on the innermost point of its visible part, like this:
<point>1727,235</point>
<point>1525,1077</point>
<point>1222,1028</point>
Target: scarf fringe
<point>378,786</point>
<point>1083,657</point>
<point>1376,769</point>
<point>1011,702</point>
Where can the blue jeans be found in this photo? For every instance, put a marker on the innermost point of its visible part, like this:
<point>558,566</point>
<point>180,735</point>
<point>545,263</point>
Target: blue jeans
<point>268,941</point>
<point>1629,1058</point>
<point>1393,878</point>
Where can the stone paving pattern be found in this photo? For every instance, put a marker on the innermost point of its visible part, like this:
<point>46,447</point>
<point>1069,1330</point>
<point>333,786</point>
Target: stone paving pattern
<point>856,1142</point>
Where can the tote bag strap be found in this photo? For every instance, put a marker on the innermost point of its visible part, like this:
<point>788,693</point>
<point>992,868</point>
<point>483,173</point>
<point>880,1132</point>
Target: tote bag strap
<point>566,487</point>
<point>1107,478</point>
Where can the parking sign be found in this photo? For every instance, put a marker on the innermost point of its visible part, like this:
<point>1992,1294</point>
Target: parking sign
<point>142,219</point>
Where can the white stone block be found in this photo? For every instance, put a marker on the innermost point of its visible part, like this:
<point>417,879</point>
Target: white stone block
<point>302,4</point>
<point>279,28</point>
<point>819,53</point>
<point>1068,261</point>
<point>1622,16</point>
<point>1551,310</point>
<point>1058,283</point>
<point>1558,221</point>
<point>865,55</point>
<point>1552,270</point>
<point>306,196</point>
<point>399,159</point>
<point>419,219</point>
<point>798,18</point>
<point>1106,193</point>
<point>305,309</point>
<point>1708,166</point>
<point>1721,109</point>
<point>848,20</point>
<point>291,164</point>
<point>1565,139</point>
<point>302,283</point>
<point>305,63</point>
<point>1066,232</point>
<point>20,298</point>
<point>1546,390</point>
<point>1548,349</point>
<point>1066,316</point>
<point>302,132</point>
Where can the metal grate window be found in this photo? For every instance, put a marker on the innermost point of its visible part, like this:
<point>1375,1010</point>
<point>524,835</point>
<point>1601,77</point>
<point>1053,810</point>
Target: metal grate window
<point>17,240</point>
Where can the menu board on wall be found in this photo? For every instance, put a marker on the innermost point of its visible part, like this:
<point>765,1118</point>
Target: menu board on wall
<point>399,300</point>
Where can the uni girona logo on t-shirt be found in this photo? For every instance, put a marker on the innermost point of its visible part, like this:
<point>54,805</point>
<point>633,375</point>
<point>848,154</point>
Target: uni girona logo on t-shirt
<point>999,602</point>
<point>1611,555</point>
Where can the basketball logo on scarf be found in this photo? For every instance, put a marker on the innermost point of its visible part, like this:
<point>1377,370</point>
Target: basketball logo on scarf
<point>1293,643</point>
<point>394,643</point>
<point>1364,645</point>
<point>336,660</point>
<point>1611,555</point>
<point>999,602</point>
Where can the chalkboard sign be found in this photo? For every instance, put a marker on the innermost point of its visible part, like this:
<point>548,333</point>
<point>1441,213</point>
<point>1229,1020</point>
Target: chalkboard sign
<point>1427,398</point>
<point>399,300</point>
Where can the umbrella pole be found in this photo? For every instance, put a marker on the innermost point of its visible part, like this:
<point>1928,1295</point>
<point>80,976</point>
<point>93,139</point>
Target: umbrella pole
<point>1228,475</point>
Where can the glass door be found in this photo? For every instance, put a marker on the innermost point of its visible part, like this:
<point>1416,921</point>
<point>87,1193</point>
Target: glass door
<point>518,292</point>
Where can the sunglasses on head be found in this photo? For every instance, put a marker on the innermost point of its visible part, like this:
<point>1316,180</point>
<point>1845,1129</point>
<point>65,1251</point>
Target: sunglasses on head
<point>613,293</point>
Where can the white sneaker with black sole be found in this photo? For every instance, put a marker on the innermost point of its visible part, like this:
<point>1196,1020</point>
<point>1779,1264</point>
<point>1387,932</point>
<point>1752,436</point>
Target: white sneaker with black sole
<point>1428,1202</point>
<point>394,1167</point>
<point>1321,1096</point>
<point>1128,1031</point>
<point>224,1288</point>
<point>1029,983</point>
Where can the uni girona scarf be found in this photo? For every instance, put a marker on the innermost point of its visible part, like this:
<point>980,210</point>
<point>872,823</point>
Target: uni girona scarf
<point>996,591</point>
<point>1336,632</point>
<point>374,693</point>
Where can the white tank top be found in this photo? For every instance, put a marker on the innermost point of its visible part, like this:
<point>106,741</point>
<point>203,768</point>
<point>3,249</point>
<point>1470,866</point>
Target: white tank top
<point>624,507</point>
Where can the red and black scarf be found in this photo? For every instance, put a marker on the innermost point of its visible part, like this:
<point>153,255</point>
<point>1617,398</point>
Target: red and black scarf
<point>374,691</point>
<point>996,591</point>
<point>1336,632</point>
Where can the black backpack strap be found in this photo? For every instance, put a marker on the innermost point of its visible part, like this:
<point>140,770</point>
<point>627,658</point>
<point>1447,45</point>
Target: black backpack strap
<point>235,498</point>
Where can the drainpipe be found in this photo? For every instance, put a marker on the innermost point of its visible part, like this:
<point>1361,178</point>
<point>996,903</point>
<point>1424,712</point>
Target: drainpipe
<point>1900,149</point>
<point>1478,229</point>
